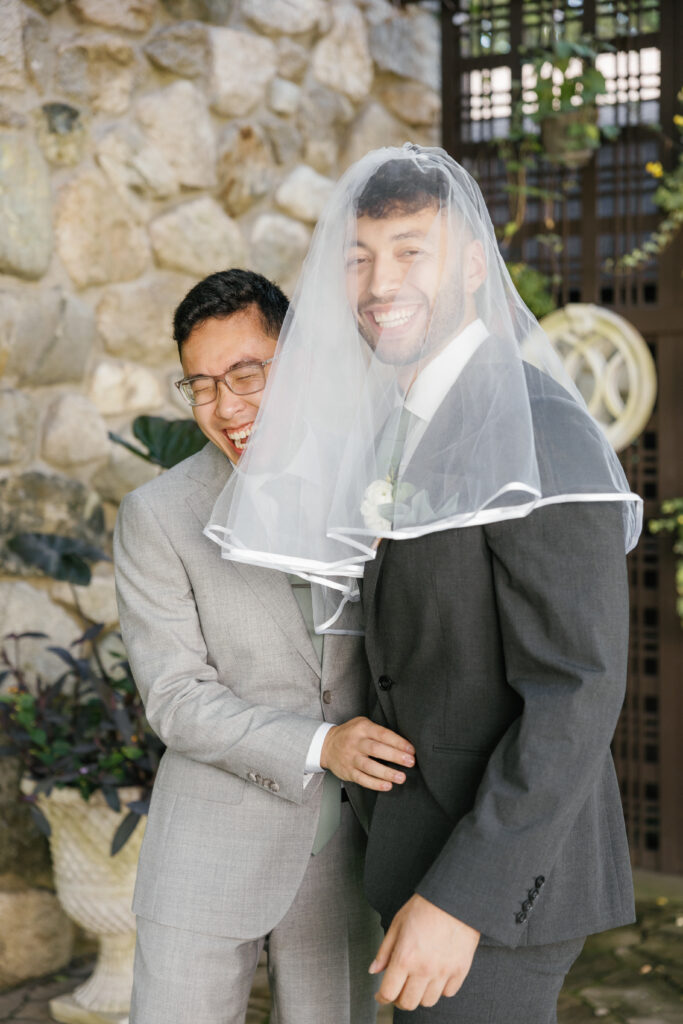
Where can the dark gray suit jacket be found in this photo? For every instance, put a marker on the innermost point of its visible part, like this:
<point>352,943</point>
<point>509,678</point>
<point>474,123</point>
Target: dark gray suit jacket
<point>500,651</point>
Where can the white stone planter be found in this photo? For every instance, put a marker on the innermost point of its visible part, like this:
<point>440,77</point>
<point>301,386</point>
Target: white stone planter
<point>96,891</point>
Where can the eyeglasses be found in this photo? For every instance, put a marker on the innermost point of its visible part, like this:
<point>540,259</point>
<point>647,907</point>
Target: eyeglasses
<point>246,379</point>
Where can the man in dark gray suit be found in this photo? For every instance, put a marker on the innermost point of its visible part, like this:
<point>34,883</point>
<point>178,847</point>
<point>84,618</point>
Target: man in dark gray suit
<point>500,650</point>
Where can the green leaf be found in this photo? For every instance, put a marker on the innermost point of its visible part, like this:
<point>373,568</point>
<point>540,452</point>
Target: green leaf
<point>62,558</point>
<point>168,441</point>
<point>124,832</point>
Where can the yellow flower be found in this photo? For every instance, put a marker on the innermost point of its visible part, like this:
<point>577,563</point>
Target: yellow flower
<point>655,169</point>
<point>678,120</point>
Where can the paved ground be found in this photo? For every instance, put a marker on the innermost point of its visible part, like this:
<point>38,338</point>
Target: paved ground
<point>627,976</point>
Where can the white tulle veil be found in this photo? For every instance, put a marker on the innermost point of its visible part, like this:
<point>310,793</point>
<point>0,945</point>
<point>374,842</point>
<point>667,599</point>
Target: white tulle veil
<point>386,318</point>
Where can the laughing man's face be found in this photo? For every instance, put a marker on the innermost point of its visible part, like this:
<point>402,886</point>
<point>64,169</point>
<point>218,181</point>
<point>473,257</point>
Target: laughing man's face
<point>394,268</point>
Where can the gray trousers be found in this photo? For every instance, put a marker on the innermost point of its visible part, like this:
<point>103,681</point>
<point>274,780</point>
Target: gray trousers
<point>504,986</point>
<point>318,954</point>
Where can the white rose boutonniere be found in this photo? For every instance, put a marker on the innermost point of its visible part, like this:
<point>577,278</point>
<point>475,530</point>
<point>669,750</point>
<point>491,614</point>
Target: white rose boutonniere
<point>378,495</point>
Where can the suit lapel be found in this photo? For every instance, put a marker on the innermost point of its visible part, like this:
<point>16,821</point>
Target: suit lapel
<point>211,469</point>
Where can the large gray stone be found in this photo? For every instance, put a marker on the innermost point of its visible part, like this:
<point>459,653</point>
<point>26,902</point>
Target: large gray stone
<point>38,50</point>
<point>36,936</point>
<point>123,472</point>
<point>18,419</point>
<point>341,60</point>
<point>131,15</point>
<point>217,12</point>
<point>62,133</point>
<point>285,138</point>
<point>41,502</point>
<point>322,117</point>
<point>25,208</point>
<point>409,44</point>
<point>98,238</point>
<point>292,58</point>
<point>176,122</point>
<point>283,96</point>
<point>304,193</point>
<point>74,433</point>
<point>289,16</point>
<point>50,335</point>
<point>135,320</point>
<point>278,246</point>
<point>96,601</point>
<point>197,238</point>
<point>182,49</point>
<point>97,69</point>
<point>132,163</point>
<point>11,45</point>
<point>242,65</point>
<point>411,101</point>
<point>120,388</point>
<point>28,609</point>
<point>246,169</point>
<point>374,127</point>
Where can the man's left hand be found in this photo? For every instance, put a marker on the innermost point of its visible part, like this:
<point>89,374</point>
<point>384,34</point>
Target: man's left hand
<point>426,954</point>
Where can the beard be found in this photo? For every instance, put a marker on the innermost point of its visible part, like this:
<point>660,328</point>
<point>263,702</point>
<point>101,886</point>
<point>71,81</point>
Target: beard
<point>429,330</point>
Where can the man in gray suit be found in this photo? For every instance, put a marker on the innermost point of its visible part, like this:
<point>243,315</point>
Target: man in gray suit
<point>249,837</point>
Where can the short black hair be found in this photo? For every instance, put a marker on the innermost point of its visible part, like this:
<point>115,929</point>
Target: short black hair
<point>224,293</point>
<point>404,186</point>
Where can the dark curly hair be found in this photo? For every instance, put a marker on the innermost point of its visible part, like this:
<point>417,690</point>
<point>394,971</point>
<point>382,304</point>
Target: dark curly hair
<point>402,186</point>
<point>224,293</point>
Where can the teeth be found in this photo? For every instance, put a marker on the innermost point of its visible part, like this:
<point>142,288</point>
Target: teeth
<point>239,437</point>
<point>394,317</point>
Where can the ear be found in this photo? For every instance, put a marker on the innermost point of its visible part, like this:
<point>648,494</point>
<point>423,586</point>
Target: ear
<point>475,266</point>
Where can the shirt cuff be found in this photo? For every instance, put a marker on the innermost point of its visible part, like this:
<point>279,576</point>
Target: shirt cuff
<point>315,749</point>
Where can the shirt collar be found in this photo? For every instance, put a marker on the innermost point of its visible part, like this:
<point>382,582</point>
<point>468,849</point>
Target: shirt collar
<point>434,382</point>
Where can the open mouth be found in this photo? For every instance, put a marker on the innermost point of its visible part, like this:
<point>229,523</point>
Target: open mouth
<point>392,318</point>
<point>239,438</point>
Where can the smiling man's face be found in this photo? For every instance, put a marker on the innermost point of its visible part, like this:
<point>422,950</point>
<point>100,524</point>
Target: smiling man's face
<point>214,347</point>
<point>394,269</point>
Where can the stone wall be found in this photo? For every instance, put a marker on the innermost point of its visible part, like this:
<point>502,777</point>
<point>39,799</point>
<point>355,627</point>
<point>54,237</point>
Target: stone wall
<point>144,144</point>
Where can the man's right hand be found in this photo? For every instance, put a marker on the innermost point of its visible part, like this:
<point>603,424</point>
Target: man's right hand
<point>351,750</point>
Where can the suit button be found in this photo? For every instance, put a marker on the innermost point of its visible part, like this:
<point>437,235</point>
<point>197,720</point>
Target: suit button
<point>327,696</point>
<point>385,682</point>
<point>274,787</point>
<point>539,881</point>
<point>520,918</point>
<point>533,893</point>
<point>251,776</point>
<point>526,905</point>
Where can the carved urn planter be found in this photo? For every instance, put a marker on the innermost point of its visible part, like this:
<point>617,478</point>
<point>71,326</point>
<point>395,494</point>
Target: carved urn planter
<point>96,891</point>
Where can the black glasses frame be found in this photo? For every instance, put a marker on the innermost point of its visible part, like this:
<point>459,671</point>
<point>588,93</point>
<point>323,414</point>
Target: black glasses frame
<point>222,377</point>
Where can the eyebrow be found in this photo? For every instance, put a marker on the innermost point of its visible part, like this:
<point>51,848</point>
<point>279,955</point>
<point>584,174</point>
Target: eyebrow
<point>235,366</point>
<point>358,244</point>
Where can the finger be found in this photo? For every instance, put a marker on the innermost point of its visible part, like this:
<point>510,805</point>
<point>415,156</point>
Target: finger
<point>391,739</point>
<point>386,753</point>
<point>433,992</point>
<point>369,781</point>
<point>368,766</point>
<point>453,985</point>
<point>410,996</point>
<point>392,983</point>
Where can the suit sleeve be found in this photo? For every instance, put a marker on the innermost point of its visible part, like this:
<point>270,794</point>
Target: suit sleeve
<point>562,601</point>
<point>194,712</point>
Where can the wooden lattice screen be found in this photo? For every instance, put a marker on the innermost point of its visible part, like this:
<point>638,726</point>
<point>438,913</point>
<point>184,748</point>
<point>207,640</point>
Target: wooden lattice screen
<point>607,209</point>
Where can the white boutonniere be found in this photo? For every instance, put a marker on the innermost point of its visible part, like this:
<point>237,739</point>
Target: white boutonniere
<point>380,502</point>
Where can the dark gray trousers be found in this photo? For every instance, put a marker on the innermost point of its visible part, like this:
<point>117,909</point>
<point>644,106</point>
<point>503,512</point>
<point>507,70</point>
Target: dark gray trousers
<point>504,986</point>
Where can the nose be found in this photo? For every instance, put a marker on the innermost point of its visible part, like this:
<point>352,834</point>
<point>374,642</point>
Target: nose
<point>228,404</point>
<point>387,277</point>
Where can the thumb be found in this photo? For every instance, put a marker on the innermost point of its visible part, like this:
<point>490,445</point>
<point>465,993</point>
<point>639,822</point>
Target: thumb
<point>384,952</point>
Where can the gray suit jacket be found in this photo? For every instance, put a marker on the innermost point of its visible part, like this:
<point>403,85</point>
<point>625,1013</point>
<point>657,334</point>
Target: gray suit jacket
<point>232,685</point>
<point>500,651</point>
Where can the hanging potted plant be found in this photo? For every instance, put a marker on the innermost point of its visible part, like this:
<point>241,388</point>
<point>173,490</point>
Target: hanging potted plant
<point>564,93</point>
<point>89,759</point>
